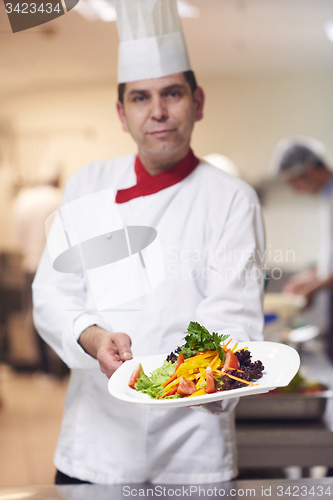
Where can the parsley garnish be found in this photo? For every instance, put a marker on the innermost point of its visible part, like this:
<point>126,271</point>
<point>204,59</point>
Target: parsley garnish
<point>198,338</point>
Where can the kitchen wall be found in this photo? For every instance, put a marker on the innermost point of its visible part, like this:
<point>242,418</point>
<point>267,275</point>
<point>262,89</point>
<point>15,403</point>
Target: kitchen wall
<point>244,119</point>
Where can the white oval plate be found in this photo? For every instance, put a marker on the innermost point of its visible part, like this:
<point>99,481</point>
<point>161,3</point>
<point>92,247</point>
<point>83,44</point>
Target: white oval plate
<point>281,364</point>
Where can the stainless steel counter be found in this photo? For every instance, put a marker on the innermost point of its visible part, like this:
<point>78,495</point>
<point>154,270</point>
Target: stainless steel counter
<point>258,489</point>
<point>267,444</point>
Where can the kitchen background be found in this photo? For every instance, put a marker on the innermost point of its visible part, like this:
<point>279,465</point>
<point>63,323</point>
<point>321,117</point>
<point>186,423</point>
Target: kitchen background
<point>267,70</point>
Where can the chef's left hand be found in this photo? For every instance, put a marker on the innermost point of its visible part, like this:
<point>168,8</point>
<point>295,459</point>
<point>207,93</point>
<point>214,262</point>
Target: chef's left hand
<point>109,348</point>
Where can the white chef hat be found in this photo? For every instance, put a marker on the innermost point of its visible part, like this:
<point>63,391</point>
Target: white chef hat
<point>152,42</point>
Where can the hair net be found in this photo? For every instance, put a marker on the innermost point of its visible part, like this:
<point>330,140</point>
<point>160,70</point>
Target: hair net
<point>293,156</point>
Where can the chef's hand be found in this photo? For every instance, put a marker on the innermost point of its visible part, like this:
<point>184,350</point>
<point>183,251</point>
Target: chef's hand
<point>305,284</point>
<point>110,349</point>
<point>299,282</point>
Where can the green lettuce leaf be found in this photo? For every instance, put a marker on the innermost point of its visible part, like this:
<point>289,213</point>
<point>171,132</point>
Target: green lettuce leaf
<point>153,385</point>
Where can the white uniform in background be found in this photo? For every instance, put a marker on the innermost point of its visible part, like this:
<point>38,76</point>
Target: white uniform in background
<point>325,257</point>
<point>212,239</point>
<point>30,210</point>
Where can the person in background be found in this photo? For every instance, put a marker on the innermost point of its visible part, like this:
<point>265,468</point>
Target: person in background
<point>302,165</point>
<point>30,210</point>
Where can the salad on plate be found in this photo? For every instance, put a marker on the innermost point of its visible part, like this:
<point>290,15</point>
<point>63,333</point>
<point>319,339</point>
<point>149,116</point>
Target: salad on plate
<point>205,364</point>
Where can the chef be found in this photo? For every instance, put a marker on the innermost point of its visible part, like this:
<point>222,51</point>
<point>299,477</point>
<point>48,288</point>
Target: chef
<point>199,261</point>
<point>302,164</point>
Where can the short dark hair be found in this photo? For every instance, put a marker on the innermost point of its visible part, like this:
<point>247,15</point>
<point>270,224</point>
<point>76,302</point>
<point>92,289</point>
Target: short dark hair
<point>302,156</point>
<point>189,77</point>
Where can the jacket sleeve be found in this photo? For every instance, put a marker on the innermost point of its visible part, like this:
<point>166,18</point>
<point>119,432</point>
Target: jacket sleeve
<point>235,271</point>
<point>61,311</point>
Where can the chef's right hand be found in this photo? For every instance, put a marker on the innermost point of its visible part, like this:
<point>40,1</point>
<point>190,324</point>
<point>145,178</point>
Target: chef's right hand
<point>110,349</point>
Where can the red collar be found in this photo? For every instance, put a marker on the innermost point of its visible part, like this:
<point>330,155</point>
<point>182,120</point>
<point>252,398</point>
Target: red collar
<point>149,184</point>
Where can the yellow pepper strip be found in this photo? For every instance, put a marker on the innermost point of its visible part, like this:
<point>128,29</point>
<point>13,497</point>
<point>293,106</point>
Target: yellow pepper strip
<point>215,359</point>
<point>204,355</point>
<point>245,348</point>
<point>216,364</point>
<point>235,346</point>
<point>189,373</point>
<point>166,392</point>
<point>218,367</point>
<point>210,353</point>
<point>189,360</point>
<point>194,366</point>
<point>192,376</point>
<point>171,379</point>
<point>175,382</point>
<point>201,379</point>
<point>201,392</point>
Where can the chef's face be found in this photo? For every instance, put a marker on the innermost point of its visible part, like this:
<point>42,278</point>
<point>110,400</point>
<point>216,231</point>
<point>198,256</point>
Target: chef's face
<point>160,114</point>
<point>312,181</point>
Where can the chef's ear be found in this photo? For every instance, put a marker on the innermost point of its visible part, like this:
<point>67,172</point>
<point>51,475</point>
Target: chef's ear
<point>199,100</point>
<point>121,114</point>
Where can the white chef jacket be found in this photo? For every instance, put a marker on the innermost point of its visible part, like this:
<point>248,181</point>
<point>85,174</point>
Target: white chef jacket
<point>325,255</point>
<point>31,207</point>
<point>212,240</point>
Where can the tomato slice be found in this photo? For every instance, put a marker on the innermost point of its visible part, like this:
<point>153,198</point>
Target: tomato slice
<point>180,361</point>
<point>186,387</point>
<point>210,384</point>
<point>135,375</point>
<point>231,360</point>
